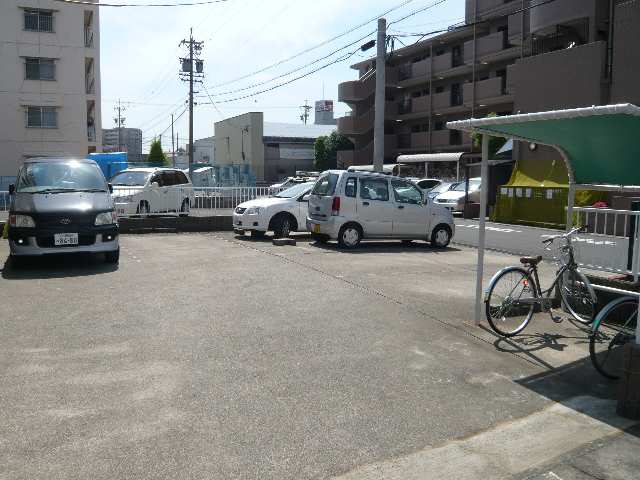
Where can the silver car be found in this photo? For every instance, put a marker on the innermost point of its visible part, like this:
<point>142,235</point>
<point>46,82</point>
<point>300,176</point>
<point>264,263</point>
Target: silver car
<point>62,205</point>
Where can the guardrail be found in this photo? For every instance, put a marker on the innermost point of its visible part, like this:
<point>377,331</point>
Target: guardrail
<point>202,201</point>
<point>612,241</point>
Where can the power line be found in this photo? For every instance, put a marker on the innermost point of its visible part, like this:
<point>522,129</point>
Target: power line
<point>315,47</point>
<point>179,4</point>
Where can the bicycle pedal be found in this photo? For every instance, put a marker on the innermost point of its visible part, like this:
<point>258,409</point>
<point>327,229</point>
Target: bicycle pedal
<point>557,318</point>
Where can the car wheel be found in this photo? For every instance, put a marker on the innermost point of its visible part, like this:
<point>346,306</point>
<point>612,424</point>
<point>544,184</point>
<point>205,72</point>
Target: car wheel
<point>185,208</point>
<point>319,238</point>
<point>350,236</point>
<point>143,208</point>
<point>282,226</point>
<point>441,236</point>
<point>257,234</point>
<point>112,257</point>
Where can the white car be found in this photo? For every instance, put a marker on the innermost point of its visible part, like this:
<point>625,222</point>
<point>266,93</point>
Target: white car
<point>351,206</point>
<point>454,198</point>
<point>281,214</point>
<point>148,191</point>
<point>427,184</point>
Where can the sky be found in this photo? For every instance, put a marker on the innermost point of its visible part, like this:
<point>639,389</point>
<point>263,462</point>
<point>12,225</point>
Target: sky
<point>140,50</point>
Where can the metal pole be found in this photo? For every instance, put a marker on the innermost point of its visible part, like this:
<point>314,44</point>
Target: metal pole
<point>378,132</point>
<point>173,145</point>
<point>191,103</point>
<point>484,187</point>
<point>570,203</point>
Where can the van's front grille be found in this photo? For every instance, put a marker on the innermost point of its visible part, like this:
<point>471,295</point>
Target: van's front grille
<point>56,220</point>
<point>48,241</point>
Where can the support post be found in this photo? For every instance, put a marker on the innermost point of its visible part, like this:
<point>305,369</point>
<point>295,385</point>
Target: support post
<point>378,132</point>
<point>484,173</point>
<point>570,204</point>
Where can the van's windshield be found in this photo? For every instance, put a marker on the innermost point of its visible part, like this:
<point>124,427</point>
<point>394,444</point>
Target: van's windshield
<point>60,177</point>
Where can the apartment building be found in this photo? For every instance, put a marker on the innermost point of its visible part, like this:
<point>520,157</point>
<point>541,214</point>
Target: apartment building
<point>123,140</point>
<point>49,80</point>
<point>508,56</point>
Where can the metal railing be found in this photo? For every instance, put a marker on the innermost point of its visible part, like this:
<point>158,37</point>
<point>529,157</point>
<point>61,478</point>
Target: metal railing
<point>612,243</point>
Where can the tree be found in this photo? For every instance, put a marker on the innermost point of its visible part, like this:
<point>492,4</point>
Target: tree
<point>495,143</point>
<point>326,150</point>
<point>156,155</point>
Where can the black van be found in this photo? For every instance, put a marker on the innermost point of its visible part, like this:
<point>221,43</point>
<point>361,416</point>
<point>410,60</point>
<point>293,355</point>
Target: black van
<point>62,205</point>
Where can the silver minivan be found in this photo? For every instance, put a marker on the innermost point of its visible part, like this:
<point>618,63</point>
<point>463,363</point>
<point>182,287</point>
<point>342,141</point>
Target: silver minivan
<point>352,206</point>
<point>62,205</point>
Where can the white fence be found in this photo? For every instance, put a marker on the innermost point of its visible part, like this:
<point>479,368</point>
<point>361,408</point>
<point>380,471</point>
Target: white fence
<point>606,246</point>
<point>200,201</point>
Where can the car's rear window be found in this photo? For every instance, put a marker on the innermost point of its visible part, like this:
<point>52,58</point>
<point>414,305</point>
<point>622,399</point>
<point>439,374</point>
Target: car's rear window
<point>326,185</point>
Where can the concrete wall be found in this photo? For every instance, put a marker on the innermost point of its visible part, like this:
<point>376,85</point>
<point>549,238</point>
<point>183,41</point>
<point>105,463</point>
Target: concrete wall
<point>626,54</point>
<point>130,142</point>
<point>67,92</point>
<point>238,141</point>
<point>283,159</point>
<point>204,150</point>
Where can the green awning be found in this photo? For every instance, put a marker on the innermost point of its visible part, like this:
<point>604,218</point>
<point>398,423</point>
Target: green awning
<point>601,144</point>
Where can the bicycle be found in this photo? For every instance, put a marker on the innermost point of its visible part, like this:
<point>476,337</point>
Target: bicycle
<point>514,293</point>
<point>613,328</point>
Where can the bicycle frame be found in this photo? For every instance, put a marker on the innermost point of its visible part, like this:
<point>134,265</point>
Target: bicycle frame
<point>545,295</point>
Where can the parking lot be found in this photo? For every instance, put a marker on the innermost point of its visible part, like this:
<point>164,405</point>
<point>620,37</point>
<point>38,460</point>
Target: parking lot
<point>214,356</point>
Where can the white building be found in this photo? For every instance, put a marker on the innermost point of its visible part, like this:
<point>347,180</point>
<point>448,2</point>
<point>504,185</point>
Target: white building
<point>204,150</point>
<point>49,80</point>
<point>123,140</point>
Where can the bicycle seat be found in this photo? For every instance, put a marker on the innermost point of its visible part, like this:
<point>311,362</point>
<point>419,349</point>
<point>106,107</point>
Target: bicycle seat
<point>531,260</point>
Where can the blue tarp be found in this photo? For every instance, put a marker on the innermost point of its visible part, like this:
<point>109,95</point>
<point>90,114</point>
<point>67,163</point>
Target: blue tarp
<point>110,163</point>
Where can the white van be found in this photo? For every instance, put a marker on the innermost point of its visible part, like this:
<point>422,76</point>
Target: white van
<point>351,206</point>
<point>148,191</point>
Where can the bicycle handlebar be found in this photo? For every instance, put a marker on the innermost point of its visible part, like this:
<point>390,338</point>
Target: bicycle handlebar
<point>552,238</point>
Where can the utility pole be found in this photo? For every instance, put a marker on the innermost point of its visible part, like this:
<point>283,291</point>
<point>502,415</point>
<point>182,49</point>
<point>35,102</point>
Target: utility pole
<point>188,75</point>
<point>378,131</point>
<point>173,146</point>
<point>306,108</point>
<point>119,122</point>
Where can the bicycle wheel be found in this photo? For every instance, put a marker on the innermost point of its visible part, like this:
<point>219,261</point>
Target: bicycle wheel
<point>614,327</point>
<point>577,296</point>
<point>509,305</point>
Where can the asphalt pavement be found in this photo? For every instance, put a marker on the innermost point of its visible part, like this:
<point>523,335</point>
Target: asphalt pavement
<point>209,356</point>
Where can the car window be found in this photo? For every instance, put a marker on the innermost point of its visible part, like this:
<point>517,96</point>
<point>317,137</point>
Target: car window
<point>428,183</point>
<point>181,178</point>
<point>351,188</point>
<point>156,178</point>
<point>374,189</point>
<point>406,193</point>
<point>168,179</point>
<point>326,185</point>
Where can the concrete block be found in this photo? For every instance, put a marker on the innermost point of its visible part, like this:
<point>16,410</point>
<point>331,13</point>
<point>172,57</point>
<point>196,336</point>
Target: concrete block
<point>629,389</point>
<point>281,242</point>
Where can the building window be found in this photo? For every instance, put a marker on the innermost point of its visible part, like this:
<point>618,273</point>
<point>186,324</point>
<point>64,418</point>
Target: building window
<point>42,117</point>
<point>40,69</point>
<point>38,20</point>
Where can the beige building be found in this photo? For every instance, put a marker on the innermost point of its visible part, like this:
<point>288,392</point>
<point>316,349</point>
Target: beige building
<point>272,150</point>
<point>49,80</point>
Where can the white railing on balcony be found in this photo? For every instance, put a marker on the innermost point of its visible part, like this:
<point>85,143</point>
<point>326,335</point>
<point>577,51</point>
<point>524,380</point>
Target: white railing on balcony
<point>88,37</point>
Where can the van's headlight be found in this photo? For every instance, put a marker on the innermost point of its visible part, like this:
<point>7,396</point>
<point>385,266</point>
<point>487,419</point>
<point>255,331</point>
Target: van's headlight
<point>106,218</point>
<point>253,211</point>
<point>21,221</point>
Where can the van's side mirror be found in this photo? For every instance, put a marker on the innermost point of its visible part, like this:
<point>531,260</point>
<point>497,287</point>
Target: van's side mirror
<point>110,187</point>
<point>305,197</point>
<point>155,185</point>
<point>12,189</point>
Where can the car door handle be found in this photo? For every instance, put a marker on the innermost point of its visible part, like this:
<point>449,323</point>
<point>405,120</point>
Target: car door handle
<point>366,204</point>
<point>401,207</point>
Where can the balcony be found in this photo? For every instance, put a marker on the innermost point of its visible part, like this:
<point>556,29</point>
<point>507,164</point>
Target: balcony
<point>442,100</point>
<point>364,156</point>
<point>358,90</point>
<point>449,140</point>
<point>490,8</point>
<point>488,45</point>
<point>545,18</point>
<point>421,69</point>
<point>487,91</point>
<point>352,125</point>
<point>442,62</point>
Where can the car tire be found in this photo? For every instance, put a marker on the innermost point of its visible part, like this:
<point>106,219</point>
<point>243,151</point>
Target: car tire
<point>350,236</point>
<point>112,257</point>
<point>16,261</point>
<point>441,236</point>
<point>257,234</point>
<point>316,237</point>
<point>143,208</point>
<point>185,208</point>
<point>283,225</point>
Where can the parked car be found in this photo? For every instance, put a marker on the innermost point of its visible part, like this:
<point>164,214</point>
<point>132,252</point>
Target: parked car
<point>281,214</point>
<point>352,206</point>
<point>443,187</point>
<point>146,191</point>
<point>62,205</point>
<point>290,182</point>
<point>454,199</point>
<point>428,184</point>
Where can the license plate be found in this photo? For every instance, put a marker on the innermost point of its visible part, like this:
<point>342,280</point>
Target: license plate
<point>121,211</point>
<point>63,239</point>
<point>316,229</point>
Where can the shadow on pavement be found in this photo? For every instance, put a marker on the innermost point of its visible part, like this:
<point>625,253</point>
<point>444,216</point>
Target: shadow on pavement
<point>391,246</point>
<point>57,266</point>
